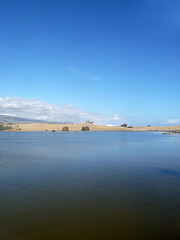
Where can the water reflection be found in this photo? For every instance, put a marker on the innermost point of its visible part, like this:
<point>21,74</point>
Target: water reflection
<point>89,186</point>
<point>169,172</point>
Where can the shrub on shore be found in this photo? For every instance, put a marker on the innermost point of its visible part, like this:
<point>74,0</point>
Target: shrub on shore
<point>65,129</point>
<point>85,128</point>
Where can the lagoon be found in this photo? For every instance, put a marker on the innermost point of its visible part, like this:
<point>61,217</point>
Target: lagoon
<point>89,185</point>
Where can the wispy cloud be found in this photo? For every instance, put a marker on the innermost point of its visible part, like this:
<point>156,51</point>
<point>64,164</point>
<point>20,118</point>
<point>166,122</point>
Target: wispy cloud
<point>71,69</point>
<point>173,121</point>
<point>83,74</point>
<point>31,108</point>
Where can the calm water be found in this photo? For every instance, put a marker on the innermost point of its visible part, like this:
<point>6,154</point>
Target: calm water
<point>89,185</point>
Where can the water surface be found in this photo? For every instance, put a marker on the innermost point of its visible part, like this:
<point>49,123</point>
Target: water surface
<point>89,185</point>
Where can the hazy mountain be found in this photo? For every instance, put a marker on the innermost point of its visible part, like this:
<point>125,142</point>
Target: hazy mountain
<point>14,120</point>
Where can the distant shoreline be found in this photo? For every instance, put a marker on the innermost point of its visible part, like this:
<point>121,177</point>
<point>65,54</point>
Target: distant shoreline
<point>32,127</point>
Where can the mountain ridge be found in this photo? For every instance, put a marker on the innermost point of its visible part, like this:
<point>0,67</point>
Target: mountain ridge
<point>8,119</point>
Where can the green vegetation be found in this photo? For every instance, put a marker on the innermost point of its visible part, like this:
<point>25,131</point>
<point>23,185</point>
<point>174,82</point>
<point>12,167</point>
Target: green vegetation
<point>85,128</point>
<point>3,127</point>
<point>65,129</point>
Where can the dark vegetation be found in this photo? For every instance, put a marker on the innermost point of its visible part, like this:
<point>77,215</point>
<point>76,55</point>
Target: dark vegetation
<point>85,128</point>
<point>124,125</point>
<point>65,129</point>
<point>3,127</point>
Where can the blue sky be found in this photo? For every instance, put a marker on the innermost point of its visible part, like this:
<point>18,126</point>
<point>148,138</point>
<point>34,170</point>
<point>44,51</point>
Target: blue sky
<point>106,58</point>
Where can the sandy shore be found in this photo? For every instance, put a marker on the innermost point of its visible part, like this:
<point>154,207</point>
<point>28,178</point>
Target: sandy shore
<point>78,126</point>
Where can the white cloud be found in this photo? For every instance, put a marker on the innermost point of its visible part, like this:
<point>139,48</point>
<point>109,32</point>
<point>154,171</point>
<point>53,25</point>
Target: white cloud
<point>84,75</point>
<point>116,117</point>
<point>173,121</point>
<point>31,108</point>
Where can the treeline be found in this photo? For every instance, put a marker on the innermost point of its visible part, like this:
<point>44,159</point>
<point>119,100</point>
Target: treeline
<point>3,127</point>
<point>66,128</point>
<point>84,128</point>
